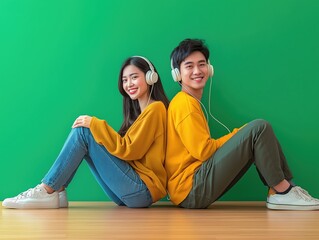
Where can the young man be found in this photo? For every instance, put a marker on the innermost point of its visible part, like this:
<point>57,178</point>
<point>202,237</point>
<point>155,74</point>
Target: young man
<point>200,168</point>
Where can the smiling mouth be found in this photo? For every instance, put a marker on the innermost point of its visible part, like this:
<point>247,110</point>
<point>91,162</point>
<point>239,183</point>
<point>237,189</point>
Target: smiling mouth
<point>197,79</point>
<point>132,91</point>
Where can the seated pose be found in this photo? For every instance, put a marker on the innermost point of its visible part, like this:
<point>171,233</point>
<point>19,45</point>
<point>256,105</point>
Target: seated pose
<point>200,168</point>
<point>128,165</point>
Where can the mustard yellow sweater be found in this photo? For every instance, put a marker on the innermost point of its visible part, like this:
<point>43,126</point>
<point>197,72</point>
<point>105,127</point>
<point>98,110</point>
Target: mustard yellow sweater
<point>188,144</point>
<point>143,146</point>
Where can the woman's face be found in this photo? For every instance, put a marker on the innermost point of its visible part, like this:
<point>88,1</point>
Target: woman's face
<point>134,83</point>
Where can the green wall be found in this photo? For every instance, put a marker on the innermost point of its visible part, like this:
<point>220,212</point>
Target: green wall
<point>60,59</point>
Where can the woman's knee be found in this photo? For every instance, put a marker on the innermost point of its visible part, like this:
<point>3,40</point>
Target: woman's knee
<point>81,132</point>
<point>81,135</point>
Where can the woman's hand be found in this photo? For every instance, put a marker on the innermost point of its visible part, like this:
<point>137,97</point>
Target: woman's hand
<point>82,121</point>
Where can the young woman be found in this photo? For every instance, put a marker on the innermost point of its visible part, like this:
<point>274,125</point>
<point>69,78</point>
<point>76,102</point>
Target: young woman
<point>129,164</point>
<point>200,168</point>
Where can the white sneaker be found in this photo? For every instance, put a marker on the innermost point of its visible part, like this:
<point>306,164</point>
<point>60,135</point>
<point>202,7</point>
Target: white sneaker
<point>33,198</point>
<point>296,199</point>
<point>63,199</point>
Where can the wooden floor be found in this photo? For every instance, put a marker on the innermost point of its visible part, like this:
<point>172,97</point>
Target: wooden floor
<point>105,220</point>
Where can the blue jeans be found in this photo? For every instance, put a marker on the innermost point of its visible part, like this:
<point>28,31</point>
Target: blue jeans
<point>117,178</point>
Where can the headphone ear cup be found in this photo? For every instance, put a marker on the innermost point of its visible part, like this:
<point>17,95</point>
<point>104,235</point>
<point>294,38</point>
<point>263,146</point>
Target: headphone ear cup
<point>151,77</point>
<point>176,75</point>
<point>210,70</point>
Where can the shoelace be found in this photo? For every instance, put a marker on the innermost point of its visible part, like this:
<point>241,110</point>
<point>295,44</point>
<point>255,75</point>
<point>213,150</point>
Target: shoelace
<point>304,194</point>
<point>303,191</point>
<point>28,193</point>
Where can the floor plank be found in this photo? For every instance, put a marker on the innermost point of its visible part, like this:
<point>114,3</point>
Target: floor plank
<point>105,220</point>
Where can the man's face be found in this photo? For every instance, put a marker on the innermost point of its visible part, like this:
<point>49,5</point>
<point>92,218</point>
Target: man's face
<point>194,72</point>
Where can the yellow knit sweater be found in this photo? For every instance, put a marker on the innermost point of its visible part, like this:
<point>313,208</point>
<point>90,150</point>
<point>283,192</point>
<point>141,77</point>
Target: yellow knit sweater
<point>188,144</point>
<point>143,145</point>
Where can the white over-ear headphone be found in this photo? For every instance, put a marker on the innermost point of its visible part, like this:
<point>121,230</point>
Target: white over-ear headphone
<point>151,76</point>
<point>177,75</point>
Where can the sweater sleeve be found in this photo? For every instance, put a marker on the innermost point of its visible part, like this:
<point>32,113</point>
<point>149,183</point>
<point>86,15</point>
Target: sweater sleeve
<point>139,137</point>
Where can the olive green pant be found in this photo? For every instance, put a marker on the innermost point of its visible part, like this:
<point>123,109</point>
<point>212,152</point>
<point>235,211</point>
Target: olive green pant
<point>256,144</point>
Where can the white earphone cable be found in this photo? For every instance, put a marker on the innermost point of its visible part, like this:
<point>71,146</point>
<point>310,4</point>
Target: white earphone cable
<point>209,98</point>
<point>185,87</point>
<point>149,97</point>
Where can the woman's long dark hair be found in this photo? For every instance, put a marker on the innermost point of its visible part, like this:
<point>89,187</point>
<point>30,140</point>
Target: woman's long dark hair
<point>131,108</point>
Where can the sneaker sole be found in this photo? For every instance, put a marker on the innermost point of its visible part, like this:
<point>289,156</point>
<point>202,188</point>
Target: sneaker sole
<point>29,206</point>
<point>292,207</point>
